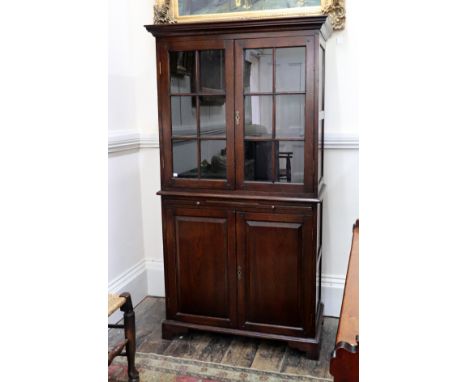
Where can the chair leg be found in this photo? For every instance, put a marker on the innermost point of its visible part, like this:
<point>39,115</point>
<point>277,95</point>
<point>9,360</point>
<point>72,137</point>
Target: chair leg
<point>130,335</point>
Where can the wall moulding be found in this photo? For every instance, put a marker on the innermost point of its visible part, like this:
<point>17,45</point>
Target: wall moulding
<point>125,141</point>
<point>131,140</point>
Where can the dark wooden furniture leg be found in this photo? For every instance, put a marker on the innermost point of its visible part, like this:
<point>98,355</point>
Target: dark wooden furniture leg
<point>129,327</point>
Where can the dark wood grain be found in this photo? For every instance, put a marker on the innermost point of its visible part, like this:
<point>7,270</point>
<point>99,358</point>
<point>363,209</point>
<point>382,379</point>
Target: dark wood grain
<point>202,252</point>
<point>270,253</point>
<point>243,26</point>
<point>241,257</point>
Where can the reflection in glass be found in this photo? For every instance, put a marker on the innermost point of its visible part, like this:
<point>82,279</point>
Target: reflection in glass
<point>290,69</point>
<point>258,116</point>
<point>258,70</point>
<point>183,114</point>
<point>290,113</point>
<point>212,115</point>
<point>213,159</point>
<point>257,161</point>
<point>184,158</point>
<point>182,67</point>
<point>212,71</point>
<point>290,161</point>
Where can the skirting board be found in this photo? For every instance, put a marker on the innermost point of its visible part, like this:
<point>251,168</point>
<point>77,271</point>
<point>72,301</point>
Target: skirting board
<point>134,281</point>
<point>332,287</point>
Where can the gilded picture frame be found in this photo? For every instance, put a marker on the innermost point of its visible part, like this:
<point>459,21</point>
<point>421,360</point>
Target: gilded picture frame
<point>178,11</point>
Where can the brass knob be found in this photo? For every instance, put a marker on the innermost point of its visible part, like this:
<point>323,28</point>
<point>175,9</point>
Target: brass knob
<point>197,203</point>
<point>273,207</point>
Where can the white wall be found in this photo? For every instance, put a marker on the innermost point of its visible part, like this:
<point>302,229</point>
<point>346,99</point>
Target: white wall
<point>132,111</point>
<point>341,171</point>
<point>135,237</point>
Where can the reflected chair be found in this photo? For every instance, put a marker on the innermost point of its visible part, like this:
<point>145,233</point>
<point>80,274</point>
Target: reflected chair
<point>124,303</point>
<point>285,173</point>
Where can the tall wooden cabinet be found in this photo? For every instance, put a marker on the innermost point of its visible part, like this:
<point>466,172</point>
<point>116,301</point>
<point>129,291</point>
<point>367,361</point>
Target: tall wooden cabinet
<point>241,119</point>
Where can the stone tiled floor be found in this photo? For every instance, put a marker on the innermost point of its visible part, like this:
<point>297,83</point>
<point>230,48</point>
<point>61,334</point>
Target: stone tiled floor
<point>226,349</point>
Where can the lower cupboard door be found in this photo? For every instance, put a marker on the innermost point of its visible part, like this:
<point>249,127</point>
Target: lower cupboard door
<point>276,273</point>
<point>201,266</point>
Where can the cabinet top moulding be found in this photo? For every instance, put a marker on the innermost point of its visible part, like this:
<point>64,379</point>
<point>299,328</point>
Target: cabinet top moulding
<point>321,23</point>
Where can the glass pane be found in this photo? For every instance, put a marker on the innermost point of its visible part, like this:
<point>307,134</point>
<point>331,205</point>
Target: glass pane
<point>212,71</point>
<point>290,161</point>
<point>184,158</point>
<point>290,69</point>
<point>258,70</point>
<point>213,159</point>
<point>212,115</point>
<point>257,162</point>
<point>184,115</point>
<point>290,113</point>
<point>258,116</point>
<point>182,66</point>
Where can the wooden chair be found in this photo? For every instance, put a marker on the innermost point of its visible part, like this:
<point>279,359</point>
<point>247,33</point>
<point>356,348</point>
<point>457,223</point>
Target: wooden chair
<point>344,363</point>
<point>124,302</point>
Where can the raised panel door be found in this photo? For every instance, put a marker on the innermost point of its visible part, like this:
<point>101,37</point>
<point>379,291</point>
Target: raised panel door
<point>201,266</point>
<point>276,261</point>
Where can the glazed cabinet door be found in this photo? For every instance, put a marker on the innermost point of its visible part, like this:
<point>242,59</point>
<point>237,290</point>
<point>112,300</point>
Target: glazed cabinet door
<point>276,108</point>
<point>196,101</point>
<point>200,265</point>
<point>276,273</point>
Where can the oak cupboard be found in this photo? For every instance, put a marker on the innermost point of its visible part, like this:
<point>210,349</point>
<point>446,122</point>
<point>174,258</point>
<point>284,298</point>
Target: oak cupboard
<point>241,123</point>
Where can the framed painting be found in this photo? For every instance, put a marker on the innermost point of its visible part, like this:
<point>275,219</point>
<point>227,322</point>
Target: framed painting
<point>219,10</point>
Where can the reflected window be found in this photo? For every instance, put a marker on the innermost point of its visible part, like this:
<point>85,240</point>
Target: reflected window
<point>290,113</point>
<point>290,69</point>
<point>258,70</point>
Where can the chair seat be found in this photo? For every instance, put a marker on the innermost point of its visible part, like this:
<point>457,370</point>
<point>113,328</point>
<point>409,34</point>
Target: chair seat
<point>114,302</point>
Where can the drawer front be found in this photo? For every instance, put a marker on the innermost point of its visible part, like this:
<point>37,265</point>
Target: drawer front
<point>272,206</point>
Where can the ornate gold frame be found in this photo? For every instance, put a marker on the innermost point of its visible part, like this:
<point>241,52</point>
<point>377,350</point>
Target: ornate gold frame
<point>166,12</point>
